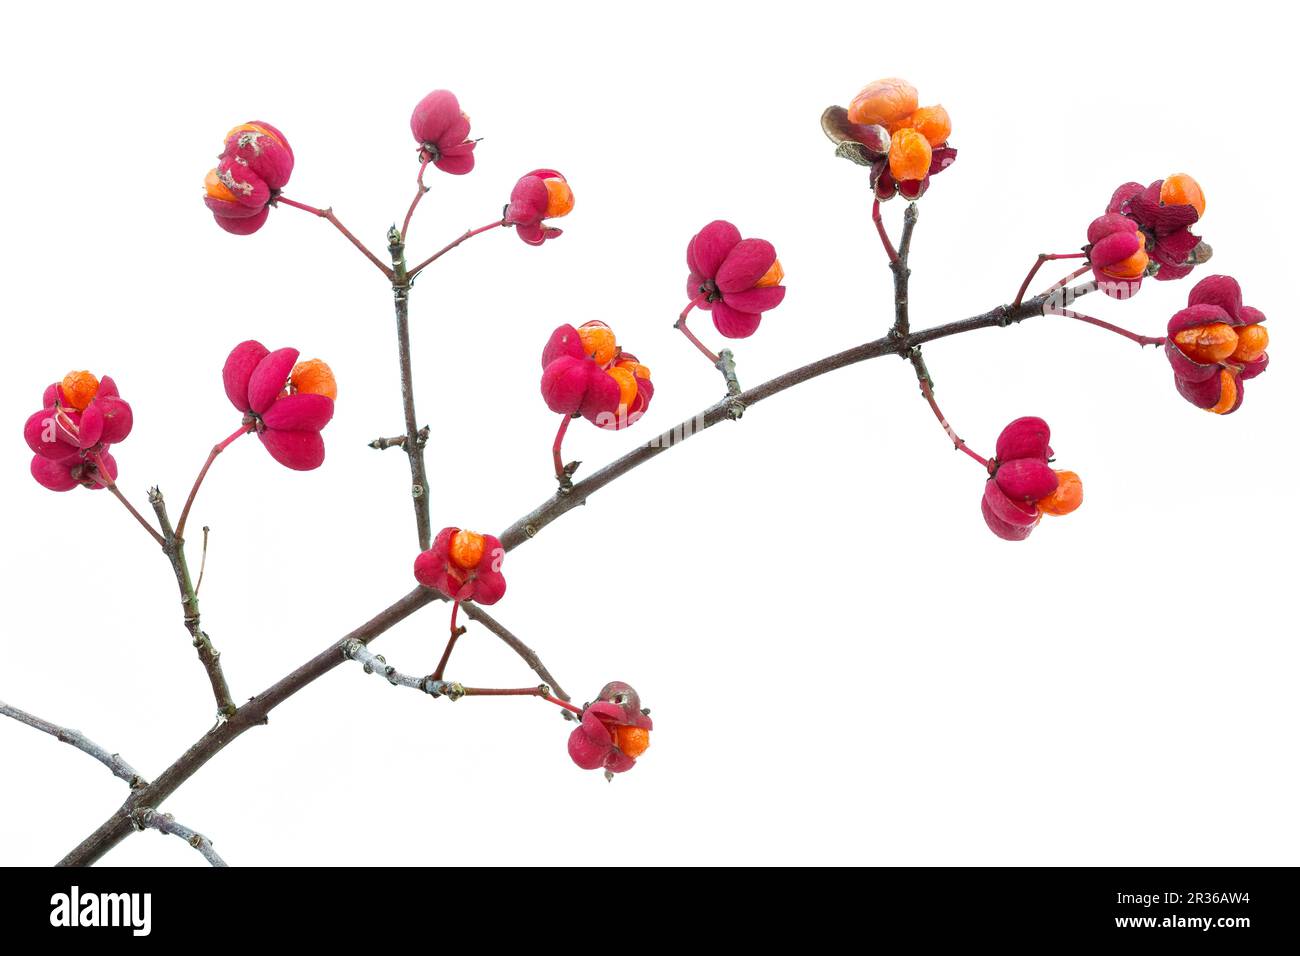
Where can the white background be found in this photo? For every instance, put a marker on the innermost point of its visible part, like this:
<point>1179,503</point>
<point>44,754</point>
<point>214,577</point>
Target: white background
<point>844,665</point>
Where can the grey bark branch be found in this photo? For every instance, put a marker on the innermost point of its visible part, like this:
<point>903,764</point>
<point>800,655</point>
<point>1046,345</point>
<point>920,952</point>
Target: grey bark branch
<point>147,818</point>
<point>75,738</point>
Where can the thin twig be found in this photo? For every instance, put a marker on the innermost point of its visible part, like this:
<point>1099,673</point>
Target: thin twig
<point>467,234</point>
<point>880,228</point>
<point>146,818</point>
<point>902,271</point>
<point>203,562</point>
<point>75,738</point>
<point>328,215</point>
<point>1038,264</point>
<point>420,190</point>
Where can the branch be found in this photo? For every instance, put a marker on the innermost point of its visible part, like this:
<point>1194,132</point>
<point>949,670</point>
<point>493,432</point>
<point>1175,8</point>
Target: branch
<point>253,714</point>
<point>209,656</point>
<point>898,265</point>
<point>119,767</point>
<point>414,444</point>
<point>530,524</point>
<point>146,818</point>
<point>328,215</point>
<point>374,663</point>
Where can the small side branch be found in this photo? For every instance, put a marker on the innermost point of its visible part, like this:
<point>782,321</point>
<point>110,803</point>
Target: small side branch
<point>146,818</point>
<point>1033,271</point>
<point>74,738</point>
<point>927,390</point>
<point>467,234</point>
<point>884,236</point>
<point>209,656</point>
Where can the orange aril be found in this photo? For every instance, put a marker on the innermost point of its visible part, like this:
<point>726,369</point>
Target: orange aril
<point>909,155</point>
<point>627,387</point>
<point>1181,189</point>
<point>598,341</point>
<point>1067,496</point>
<point>1227,397</point>
<point>79,389</point>
<point>772,276</point>
<point>1252,341</point>
<point>1134,265</point>
<point>1207,343</point>
<point>466,550</point>
<point>315,377</point>
<point>883,102</point>
<point>633,741</point>
<point>215,188</point>
<point>559,198</point>
<point>636,368</point>
<point>933,123</point>
<point>254,128</point>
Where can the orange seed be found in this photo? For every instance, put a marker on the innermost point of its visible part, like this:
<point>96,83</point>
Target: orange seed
<point>1252,342</point>
<point>79,389</point>
<point>1067,496</point>
<point>883,102</point>
<point>627,387</point>
<point>598,341</point>
<point>933,123</point>
<point>315,377</point>
<point>633,741</point>
<point>909,155</point>
<point>467,550</point>
<point>1181,189</point>
<point>1227,397</point>
<point>1134,265</point>
<point>772,276</point>
<point>216,188</point>
<point>1207,343</point>
<point>559,198</point>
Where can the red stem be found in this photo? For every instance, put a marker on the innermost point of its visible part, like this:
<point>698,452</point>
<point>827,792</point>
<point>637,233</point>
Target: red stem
<point>104,480</point>
<point>555,448</point>
<point>328,214</point>
<point>1044,257</point>
<point>451,643</point>
<point>470,234</point>
<point>1066,280</point>
<point>884,236</point>
<point>420,190</point>
<point>1139,339</point>
<point>203,473</point>
<point>519,692</point>
<point>957,442</point>
<point>681,324</point>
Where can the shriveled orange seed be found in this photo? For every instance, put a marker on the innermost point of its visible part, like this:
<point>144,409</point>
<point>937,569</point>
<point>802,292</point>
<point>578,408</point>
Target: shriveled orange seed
<point>1252,342</point>
<point>598,341</point>
<point>1227,397</point>
<point>79,389</point>
<point>1207,343</point>
<point>1067,496</point>
<point>467,550</point>
<point>627,387</point>
<point>933,123</point>
<point>316,377</point>
<point>1181,189</point>
<point>883,102</point>
<point>215,188</point>
<point>909,155</point>
<point>559,198</point>
<point>772,276</point>
<point>633,741</point>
